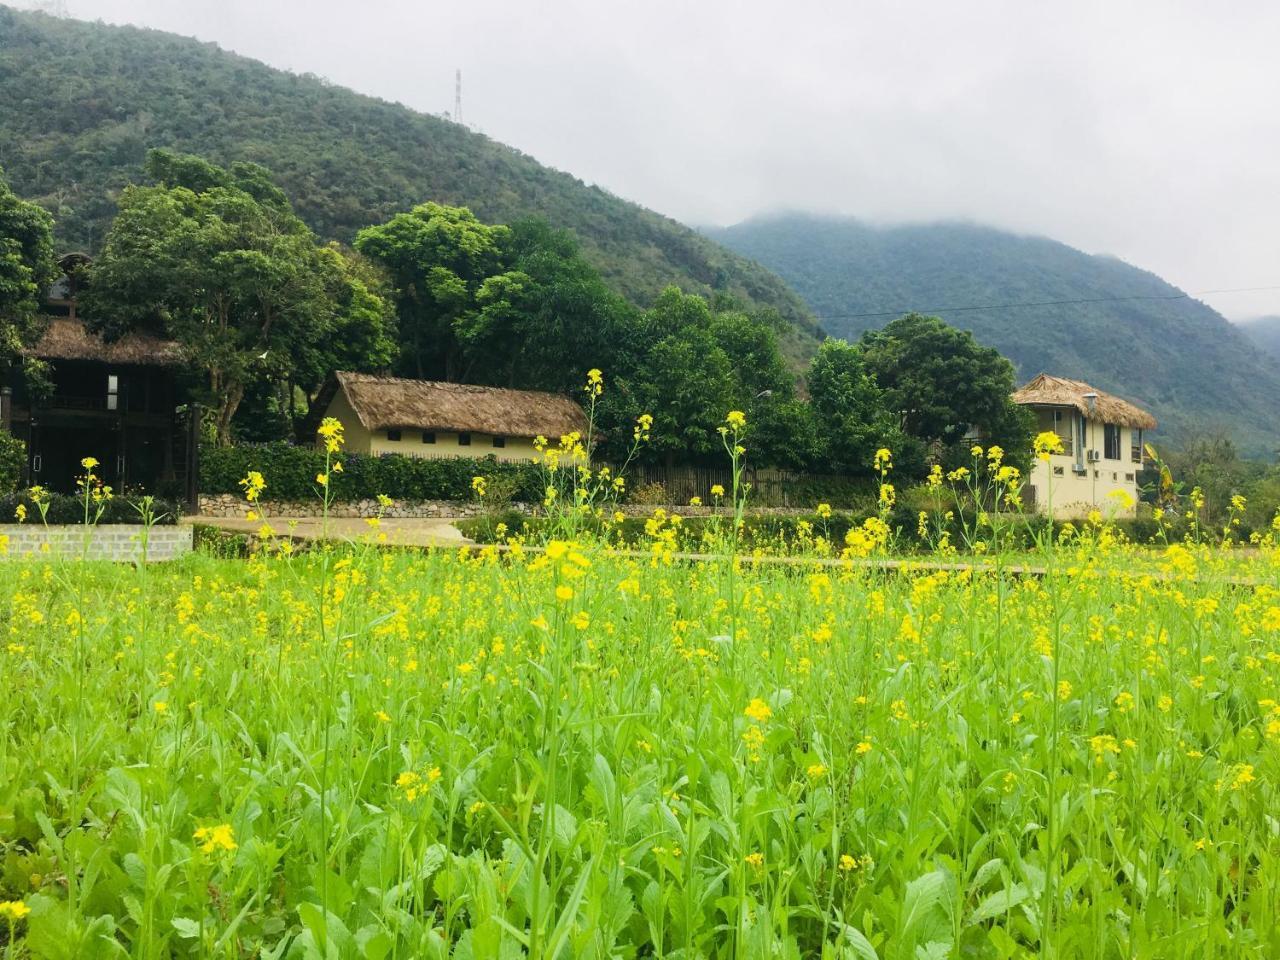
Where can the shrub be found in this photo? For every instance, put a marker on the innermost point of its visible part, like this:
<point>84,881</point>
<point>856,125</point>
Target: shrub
<point>290,474</point>
<point>67,508</point>
<point>13,460</point>
<point>651,494</point>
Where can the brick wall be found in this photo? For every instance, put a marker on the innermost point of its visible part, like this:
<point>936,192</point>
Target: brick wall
<point>106,542</point>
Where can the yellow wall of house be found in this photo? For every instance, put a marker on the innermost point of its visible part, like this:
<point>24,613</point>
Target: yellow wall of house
<point>1073,494</point>
<point>410,445</point>
<point>360,440</point>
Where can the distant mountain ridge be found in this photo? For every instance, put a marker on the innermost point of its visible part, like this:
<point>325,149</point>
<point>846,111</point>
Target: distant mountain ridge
<point>1146,340</point>
<point>80,104</point>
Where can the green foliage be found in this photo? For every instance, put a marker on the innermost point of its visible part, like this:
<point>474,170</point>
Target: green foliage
<point>941,383</point>
<point>850,409</point>
<point>555,305</point>
<point>687,363</point>
<point>365,753</point>
<point>439,259</point>
<point>13,463</point>
<point>68,508</point>
<point>89,100</point>
<point>290,471</point>
<point>1177,357</point>
<point>26,269</point>
<point>218,261</point>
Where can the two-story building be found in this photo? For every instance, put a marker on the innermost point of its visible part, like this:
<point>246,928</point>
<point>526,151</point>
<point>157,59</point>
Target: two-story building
<point>1102,448</point>
<point>118,401</point>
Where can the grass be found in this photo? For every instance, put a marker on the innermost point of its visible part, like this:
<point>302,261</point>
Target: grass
<point>366,753</point>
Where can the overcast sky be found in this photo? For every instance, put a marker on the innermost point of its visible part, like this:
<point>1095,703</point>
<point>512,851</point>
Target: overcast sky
<point>1146,130</point>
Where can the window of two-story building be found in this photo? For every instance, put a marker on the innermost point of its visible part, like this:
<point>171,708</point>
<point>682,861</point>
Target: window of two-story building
<point>1111,441</point>
<point>1135,444</point>
<point>1059,421</point>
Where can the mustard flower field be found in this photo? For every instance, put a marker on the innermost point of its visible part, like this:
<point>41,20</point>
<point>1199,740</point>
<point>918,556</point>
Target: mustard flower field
<point>571,752</point>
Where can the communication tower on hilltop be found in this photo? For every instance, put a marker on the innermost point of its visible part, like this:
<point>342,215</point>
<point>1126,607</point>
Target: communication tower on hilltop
<point>457,96</point>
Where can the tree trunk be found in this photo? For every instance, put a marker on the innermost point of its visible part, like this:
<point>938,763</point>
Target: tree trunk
<point>229,402</point>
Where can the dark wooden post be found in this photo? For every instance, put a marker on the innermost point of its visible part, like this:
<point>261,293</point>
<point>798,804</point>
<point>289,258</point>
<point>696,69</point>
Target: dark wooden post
<point>193,458</point>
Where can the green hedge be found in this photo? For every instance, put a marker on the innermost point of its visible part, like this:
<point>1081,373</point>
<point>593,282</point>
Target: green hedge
<point>13,458</point>
<point>66,508</point>
<point>290,473</point>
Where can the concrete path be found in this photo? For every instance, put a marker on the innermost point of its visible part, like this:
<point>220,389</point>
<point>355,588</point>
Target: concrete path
<point>400,532</point>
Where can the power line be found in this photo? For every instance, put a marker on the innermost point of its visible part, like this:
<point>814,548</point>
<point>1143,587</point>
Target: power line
<point>1038,303</point>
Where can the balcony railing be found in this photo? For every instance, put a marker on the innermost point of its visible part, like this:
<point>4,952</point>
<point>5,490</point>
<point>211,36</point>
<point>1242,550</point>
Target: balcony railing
<point>65,401</point>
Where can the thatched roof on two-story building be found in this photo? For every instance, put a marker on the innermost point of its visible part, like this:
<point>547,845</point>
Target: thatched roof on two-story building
<point>67,338</point>
<point>1045,390</point>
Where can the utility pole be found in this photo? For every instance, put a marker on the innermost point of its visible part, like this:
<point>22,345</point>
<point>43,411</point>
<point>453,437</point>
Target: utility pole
<point>457,96</point>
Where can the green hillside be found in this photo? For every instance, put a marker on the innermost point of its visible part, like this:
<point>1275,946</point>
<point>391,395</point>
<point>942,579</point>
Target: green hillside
<point>1180,358</point>
<point>1263,332</point>
<point>80,104</point>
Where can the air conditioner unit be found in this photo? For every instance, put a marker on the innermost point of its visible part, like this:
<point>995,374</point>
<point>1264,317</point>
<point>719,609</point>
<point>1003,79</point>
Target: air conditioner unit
<point>1093,456</point>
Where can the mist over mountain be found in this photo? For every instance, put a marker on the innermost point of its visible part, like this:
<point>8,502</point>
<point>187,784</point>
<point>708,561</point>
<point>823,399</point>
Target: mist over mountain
<point>1124,330</point>
<point>1264,332</point>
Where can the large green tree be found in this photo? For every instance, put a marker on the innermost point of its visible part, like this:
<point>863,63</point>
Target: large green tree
<point>853,420</point>
<point>26,269</point>
<point>550,305</point>
<point>685,379</point>
<point>439,258</point>
<point>688,365</point>
<point>781,431</point>
<point>216,259</point>
<point>942,383</point>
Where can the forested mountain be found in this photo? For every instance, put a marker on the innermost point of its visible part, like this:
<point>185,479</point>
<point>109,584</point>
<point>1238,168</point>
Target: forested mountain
<point>81,103</point>
<point>1178,357</point>
<point>1264,332</point>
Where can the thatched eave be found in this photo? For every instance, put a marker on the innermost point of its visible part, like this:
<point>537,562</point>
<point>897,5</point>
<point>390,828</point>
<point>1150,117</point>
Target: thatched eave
<point>393,402</point>
<point>1045,390</point>
<point>68,339</point>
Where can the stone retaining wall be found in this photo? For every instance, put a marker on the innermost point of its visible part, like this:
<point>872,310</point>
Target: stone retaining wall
<point>121,542</point>
<point>229,505</point>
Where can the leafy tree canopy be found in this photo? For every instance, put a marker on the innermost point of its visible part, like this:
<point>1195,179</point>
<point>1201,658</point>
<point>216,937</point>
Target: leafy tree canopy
<point>26,268</point>
<point>941,383</point>
<point>217,260</point>
<point>439,259</point>
<point>853,420</point>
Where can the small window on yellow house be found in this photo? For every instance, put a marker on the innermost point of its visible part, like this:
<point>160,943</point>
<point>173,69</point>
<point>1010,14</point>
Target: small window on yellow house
<point>428,437</point>
<point>1111,441</point>
<point>499,442</point>
<point>393,435</point>
<point>464,439</point>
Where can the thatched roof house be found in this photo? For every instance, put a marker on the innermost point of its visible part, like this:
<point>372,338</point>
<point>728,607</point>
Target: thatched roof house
<point>68,339</point>
<point>1044,390</point>
<point>432,418</point>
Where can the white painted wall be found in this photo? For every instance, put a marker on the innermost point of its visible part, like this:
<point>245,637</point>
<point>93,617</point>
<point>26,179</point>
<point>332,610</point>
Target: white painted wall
<point>1059,483</point>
